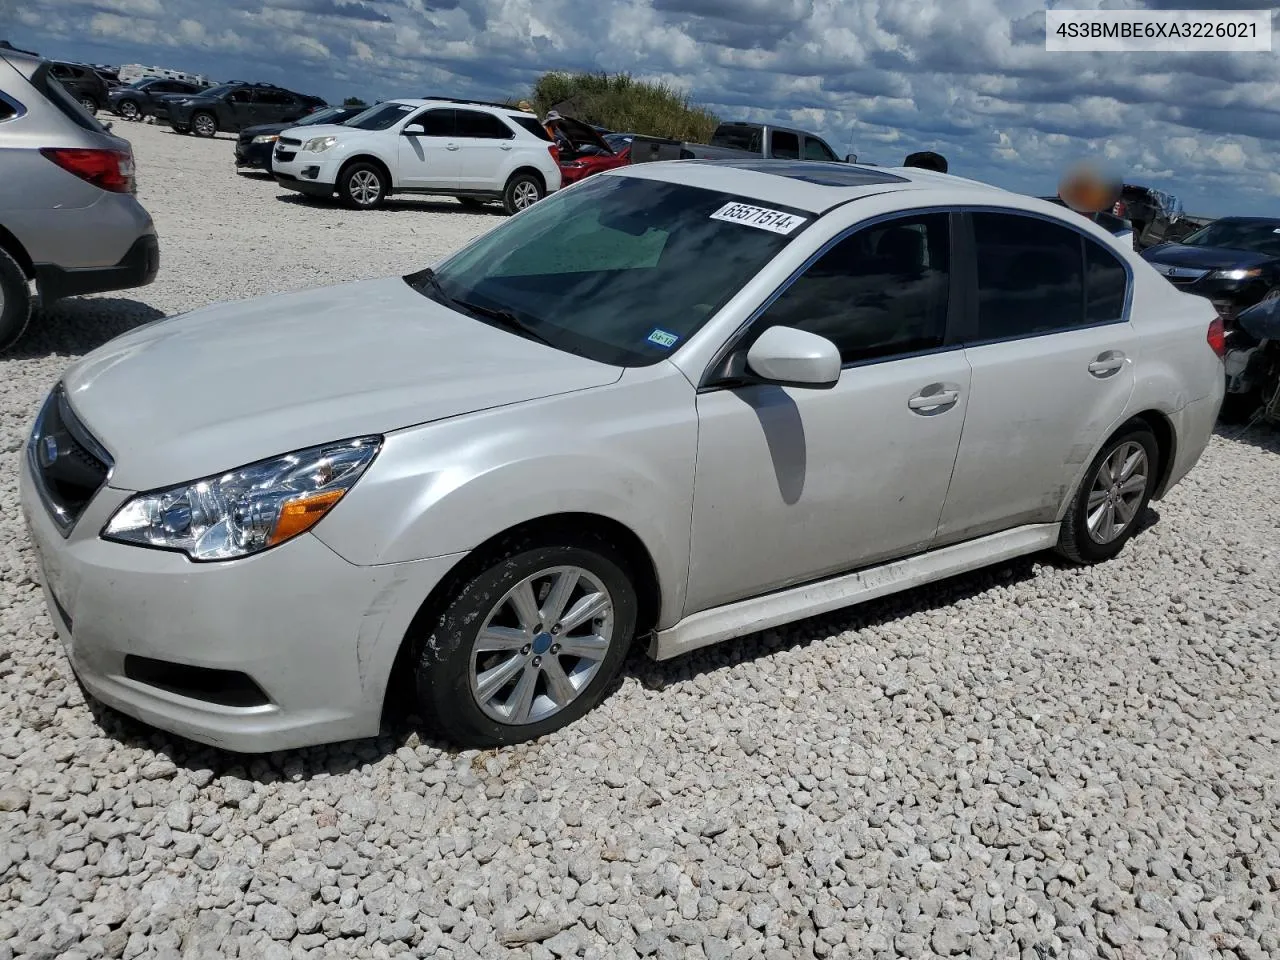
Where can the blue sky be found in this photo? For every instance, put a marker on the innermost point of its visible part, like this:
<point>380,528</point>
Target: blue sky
<point>969,78</point>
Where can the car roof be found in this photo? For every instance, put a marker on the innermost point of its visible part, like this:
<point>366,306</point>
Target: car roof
<point>812,185</point>
<point>461,104</point>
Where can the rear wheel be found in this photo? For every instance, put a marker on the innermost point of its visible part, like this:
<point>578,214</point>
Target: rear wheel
<point>15,301</point>
<point>204,124</point>
<point>1109,505</point>
<point>128,110</point>
<point>529,644</point>
<point>523,191</point>
<point>362,186</point>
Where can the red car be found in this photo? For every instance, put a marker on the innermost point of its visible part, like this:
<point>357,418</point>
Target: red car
<point>590,152</point>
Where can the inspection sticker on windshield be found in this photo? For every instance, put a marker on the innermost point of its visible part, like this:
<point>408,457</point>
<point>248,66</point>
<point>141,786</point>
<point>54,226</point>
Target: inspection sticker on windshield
<point>762,218</point>
<point>663,339</point>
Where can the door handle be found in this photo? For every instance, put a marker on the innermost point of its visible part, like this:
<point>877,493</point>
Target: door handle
<point>1107,364</point>
<point>452,146</point>
<point>935,402</point>
<point>506,146</point>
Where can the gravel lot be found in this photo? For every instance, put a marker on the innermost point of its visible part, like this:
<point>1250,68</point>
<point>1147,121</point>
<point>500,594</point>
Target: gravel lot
<point>1034,762</point>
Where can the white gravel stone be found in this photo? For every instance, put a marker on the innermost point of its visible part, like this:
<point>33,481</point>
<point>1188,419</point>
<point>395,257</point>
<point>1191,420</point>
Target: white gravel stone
<point>1031,761</point>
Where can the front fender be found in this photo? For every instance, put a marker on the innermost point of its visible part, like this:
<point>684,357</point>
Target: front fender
<point>625,452</point>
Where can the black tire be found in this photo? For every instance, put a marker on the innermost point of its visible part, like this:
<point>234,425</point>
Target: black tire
<point>204,124</point>
<point>355,183</point>
<point>128,110</point>
<point>1240,407</point>
<point>89,104</point>
<point>445,655</point>
<point>16,306</point>
<point>1075,542</point>
<point>520,188</point>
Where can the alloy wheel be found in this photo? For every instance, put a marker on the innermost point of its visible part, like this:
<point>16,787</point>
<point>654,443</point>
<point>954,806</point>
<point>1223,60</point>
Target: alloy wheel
<point>526,194</point>
<point>541,645</point>
<point>364,187</point>
<point>1117,491</point>
<point>204,126</point>
<point>129,110</point>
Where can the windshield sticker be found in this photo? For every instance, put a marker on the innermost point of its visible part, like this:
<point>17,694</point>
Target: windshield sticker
<point>663,339</point>
<point>762,218</point>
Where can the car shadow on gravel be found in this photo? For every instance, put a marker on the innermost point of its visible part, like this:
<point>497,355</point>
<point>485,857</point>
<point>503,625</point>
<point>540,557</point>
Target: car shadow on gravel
<point>79,324</point>
<point>395,205</point>
<point>1264,436</point>
<point>401,729</point>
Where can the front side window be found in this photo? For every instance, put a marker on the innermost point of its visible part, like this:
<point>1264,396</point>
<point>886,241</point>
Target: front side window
<point>1029,276</point>
<point>623,270</point>
<point>815,149</point>
<point>438,123</point>
<point>240,96</point>
<point>880,292</point>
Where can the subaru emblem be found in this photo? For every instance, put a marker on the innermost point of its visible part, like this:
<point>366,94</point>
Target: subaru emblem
<point>48,451</point>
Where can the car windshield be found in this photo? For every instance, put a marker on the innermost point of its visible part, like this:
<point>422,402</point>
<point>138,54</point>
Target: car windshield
<point>325,115</point>
<point>622,270</point>
<point>381,117</point>
<point>1256,236</point>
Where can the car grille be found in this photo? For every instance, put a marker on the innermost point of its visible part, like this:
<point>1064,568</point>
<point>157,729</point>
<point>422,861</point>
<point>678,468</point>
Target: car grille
<point>290,142</point>
<point>284,156</point>
<point>1180,275</point>
<point>69,466</point>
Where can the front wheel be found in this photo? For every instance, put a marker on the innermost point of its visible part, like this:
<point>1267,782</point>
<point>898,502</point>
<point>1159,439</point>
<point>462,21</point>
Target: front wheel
<point>15,302</point>
<point>362,186</point>
<point>529,644</point>
<point>204,125</point>
<point>128,110</point>
<point>89,104</point>
<point>523,191</point>
<point>1109,505</point>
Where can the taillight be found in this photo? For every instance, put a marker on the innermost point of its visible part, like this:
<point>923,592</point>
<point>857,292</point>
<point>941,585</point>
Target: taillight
<point>1217,337</point>
<point>555,152</point>
<point>109,169</point>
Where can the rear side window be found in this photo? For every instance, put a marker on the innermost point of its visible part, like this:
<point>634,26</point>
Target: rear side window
<point>532,125</point>
<point>880,292</point>
<point>1105,284</point>
<point>786,146</point>
<point>7,110</point>
<point>274,97</point>
<point>1030,280</point>
<point>482,126</point>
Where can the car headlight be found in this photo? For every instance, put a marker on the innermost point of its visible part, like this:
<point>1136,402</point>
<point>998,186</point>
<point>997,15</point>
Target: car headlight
<point>246,510</point>
<point>319,144</point>
<point>266,138</point>
<point>1237,274</point>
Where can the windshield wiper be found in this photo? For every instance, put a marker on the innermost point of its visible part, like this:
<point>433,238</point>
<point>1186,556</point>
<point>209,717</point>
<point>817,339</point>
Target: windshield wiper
<point>427,278</point>
<point>507,319</point>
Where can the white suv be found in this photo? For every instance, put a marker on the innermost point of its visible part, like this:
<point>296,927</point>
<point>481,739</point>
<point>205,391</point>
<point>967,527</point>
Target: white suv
<point>475,151</point>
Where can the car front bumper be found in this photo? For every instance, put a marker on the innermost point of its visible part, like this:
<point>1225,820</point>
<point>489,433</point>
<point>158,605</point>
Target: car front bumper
<point>313,173</point>
<point>176,644</point>
<point>256,156</point>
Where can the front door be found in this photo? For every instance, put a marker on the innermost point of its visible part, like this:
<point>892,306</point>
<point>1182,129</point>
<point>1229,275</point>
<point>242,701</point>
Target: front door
<point>485,147</point>
<point>429,159</point>
<point>793,485</point>
<point>1052,357</point>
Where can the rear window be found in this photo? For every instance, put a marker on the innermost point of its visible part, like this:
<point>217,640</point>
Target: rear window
<point>532,125</point>
<point>46,83</point>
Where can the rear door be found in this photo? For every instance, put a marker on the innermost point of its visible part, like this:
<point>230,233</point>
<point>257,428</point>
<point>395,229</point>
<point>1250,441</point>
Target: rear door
<point>430,159</point>
<point>485,149</point>
<point>1052,352</point>
<point>273,106</point>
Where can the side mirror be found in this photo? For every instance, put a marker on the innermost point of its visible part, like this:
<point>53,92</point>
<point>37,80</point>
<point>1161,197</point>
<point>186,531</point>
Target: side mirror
<point>413,130</point>
<point>850,158</point>
<point>794,358</point>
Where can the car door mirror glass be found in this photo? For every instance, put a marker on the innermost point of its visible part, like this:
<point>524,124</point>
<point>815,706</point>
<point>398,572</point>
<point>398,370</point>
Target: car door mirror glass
<point>794,358</point>
<point>850,158</point>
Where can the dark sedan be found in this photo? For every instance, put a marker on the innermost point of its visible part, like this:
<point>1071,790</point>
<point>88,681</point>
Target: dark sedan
<point>1233,262</point>
<point>254,145</point>
<point>139,99</point>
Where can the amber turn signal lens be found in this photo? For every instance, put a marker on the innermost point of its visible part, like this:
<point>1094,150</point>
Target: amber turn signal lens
<point>299,516</point>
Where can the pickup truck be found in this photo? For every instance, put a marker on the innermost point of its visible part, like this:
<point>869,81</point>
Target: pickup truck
<point>740,139</point>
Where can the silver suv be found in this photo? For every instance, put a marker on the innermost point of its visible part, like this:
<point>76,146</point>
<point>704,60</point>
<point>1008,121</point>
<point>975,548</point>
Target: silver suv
<point>69,221</point>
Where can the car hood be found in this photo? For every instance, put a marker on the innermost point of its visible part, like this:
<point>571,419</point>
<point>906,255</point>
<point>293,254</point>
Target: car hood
<point>230,384</point>
<point>248,133</point>
<point>326,130</point>
<point>1206,258</point>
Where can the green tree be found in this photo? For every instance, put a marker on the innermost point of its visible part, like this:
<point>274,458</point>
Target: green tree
<point>619,102</point>
<point>354,102</point>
